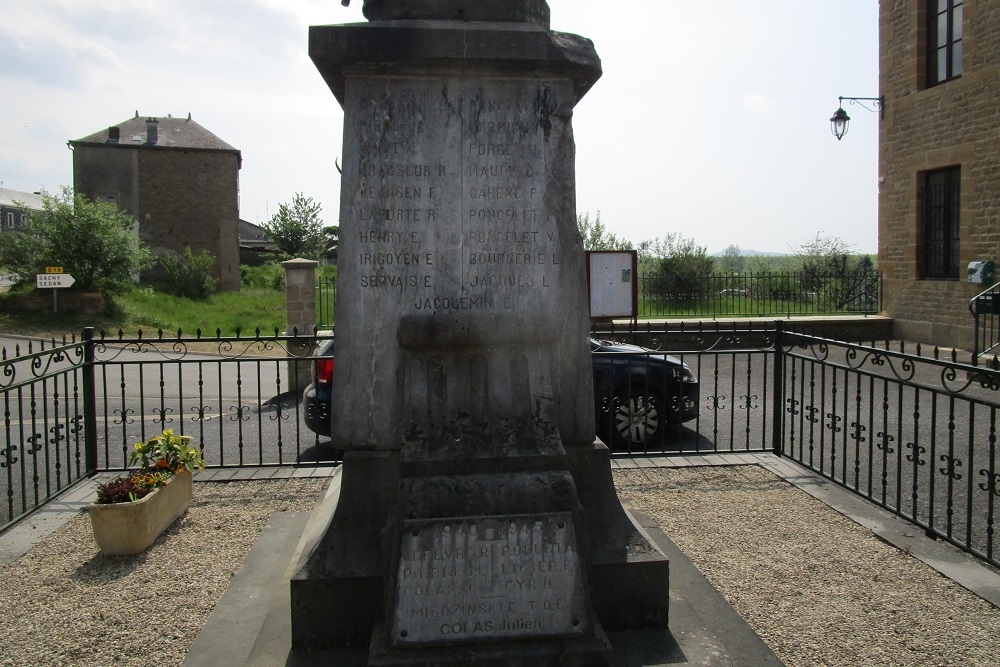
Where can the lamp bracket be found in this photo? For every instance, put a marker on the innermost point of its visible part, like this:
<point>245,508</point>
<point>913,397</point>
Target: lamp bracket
<point>877,102</point>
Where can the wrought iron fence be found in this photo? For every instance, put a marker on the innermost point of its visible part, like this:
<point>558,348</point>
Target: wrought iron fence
<point>704,389</point>
<point>985,309</point>
<point>914,433</point>
<point>326,299</point>
<point>44,390</point>
<point>78,407</point>
<point>762,294</point>
<point>771,294</point>
<point>911,431</point>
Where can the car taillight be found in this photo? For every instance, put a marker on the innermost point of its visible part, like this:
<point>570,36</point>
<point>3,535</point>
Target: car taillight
<point>324,370</point>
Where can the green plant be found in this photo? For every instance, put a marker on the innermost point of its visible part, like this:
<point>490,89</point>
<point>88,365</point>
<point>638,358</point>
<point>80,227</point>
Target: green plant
<point>189,275</point>
<point>167,452</point>
<point>297,229</point>
<point>122,489</point>
<point>267,276</point>
<point>94,242</point>
<point>160,458</point>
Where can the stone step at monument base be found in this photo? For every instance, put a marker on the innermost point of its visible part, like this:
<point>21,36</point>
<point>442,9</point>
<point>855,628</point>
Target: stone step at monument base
<point>590,652</point>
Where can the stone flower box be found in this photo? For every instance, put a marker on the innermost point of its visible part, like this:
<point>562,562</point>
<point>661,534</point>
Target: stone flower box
<point>129,528</point>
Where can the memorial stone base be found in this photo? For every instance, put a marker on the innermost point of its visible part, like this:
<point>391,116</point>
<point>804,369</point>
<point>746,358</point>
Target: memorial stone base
<point>340,595</point>
<point>476,521</point>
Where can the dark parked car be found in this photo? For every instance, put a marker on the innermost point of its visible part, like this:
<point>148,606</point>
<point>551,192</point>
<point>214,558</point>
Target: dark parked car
<point>637,393</point>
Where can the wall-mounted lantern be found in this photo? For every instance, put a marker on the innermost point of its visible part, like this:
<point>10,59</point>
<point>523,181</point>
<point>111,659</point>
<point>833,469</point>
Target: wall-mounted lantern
<point>840,121</point>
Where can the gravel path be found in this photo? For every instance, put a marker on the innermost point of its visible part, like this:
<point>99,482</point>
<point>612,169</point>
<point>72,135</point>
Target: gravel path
<point>67,605</point>
<point>818,588</point>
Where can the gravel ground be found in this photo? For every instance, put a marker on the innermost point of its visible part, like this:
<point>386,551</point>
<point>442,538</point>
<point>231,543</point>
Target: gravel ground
<point>818,588</point>
<point>67,605</point>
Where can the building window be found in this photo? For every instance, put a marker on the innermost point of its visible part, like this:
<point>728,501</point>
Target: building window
<point>944,41</point>
<point>10,220</point>
<point>942,189</point>
<point>24,219</point>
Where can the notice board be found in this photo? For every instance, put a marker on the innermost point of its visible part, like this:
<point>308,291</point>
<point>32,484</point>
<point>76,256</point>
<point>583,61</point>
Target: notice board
<point>612,283</point>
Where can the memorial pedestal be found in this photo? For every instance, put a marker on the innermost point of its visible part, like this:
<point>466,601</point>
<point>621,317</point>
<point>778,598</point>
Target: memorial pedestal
<point>476,520</point>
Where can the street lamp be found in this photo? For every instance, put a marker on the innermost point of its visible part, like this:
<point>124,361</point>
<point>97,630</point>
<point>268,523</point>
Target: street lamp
<point>840,121</point>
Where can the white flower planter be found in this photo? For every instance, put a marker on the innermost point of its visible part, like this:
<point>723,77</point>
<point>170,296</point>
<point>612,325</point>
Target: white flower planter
<point>129,528</point>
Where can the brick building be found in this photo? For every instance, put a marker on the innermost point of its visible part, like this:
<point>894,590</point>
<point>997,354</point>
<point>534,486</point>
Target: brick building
<point>177,179</point>
<point>939,161</point>
<point>15,207</point>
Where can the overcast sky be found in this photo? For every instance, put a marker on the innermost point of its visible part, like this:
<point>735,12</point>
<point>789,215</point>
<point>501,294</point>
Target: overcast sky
<point>711,119</point>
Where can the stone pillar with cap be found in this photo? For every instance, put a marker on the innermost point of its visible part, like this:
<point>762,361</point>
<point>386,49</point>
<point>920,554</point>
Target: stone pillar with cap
<point>476,513</point>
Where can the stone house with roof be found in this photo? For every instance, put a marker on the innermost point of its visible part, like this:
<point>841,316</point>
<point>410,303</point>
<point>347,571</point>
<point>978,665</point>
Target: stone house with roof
<point>939,162</point>
<point>178,180</point>
<point>15,207</point>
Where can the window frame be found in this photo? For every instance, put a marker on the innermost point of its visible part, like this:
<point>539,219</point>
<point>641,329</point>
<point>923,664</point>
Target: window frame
<point>941,223</point>
<point>952,48</point>
<point>10,220</point>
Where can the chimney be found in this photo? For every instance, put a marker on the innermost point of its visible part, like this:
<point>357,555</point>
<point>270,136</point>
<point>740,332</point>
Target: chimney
<point>114,134</point>
<point>151,130</point>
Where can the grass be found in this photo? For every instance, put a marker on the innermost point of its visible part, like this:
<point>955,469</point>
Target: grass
<point>224,313</point>
<point>148,310</point>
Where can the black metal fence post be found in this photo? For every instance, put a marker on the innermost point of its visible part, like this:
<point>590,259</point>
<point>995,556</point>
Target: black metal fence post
<point>778,387</point>
<point>89,403</point>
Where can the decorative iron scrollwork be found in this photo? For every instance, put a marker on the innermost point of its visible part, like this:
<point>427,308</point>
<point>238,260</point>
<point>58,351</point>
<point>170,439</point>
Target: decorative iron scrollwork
<point>884,442</point>
<point>239,413</point>
<point>857,431</point>
<point>951,468</point>
<point>915,452</point>
<point>834,423</point>
<point>9,458</point>
<point>992,483</point>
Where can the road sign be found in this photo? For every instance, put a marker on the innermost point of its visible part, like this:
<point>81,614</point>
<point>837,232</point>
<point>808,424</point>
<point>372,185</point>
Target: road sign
<point>54,280</point>
<point>53,269</point>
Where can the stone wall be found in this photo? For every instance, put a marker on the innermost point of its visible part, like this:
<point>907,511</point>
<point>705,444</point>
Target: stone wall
<point>191,198</point>
<point>951,124</point>
<point>180,198</point>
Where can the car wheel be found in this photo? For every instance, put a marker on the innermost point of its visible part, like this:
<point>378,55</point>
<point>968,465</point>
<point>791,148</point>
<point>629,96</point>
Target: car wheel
<point>637,420</point>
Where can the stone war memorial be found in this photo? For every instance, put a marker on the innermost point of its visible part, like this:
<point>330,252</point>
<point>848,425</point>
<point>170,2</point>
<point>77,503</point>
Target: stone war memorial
<point>474,519</point>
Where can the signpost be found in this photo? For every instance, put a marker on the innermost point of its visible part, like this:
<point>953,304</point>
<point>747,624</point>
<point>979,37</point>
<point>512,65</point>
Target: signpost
<point>54,279</point>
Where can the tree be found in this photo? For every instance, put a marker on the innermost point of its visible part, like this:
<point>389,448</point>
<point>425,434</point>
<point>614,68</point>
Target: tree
<point>732,260</point>
<point>596,237</point>
<point>296,228</point>
<point>830,267</point>
<point>331,240</point>
<point>94,242</point>
<point>678,267</point>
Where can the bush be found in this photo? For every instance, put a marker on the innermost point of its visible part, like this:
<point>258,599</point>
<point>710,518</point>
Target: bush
<point>189,275</point>
<point>93,242</point>
<point>268,276</point>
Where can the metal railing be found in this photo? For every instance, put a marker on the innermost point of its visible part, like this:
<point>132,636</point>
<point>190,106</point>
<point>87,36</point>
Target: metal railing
<point>914,433</point>
<point>908,428</point>
<point>326,299</point>
<point>74,408</point>
<point>911,431</point>
<point>771,294</point>
<point>985,307</point>
<point>763,294</point>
